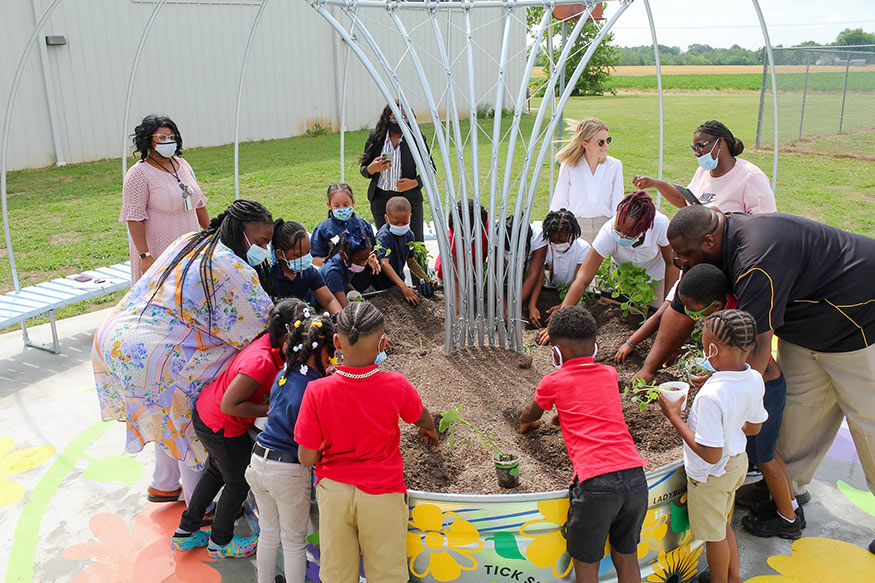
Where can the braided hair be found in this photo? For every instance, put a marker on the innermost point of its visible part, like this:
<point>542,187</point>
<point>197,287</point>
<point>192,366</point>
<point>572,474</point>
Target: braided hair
<point>735,328</point>
<point>226,227</point>
<point>357,319</point>
<point>287,235</point>
<point>283,312</point>
<point>718,130</point>
<point>309,333</point>
<point>637,205</point>
<point>561,222</point>
<point>573,323</point>
<point>508,224</point>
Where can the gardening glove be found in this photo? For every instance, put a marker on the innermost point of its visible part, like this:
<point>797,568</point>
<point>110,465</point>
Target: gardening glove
<point>410,295</point>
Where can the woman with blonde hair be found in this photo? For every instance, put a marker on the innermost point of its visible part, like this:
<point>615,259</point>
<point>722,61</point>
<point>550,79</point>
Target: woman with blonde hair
<point>590,183</point>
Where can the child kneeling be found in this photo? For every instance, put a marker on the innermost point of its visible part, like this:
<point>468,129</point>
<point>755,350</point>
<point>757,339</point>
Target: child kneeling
<point>728,407</point>
<point>348,427</point>
<point>609,493</point>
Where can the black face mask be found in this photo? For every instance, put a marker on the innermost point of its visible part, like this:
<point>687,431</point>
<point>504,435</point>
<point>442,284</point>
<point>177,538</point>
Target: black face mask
<point>394,127</point>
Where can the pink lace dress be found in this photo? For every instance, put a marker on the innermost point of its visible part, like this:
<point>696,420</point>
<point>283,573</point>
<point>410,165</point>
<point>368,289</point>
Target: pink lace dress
<point>153,196</point>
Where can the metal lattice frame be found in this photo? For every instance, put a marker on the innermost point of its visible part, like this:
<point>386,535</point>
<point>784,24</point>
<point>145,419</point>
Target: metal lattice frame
<point>480,319</point>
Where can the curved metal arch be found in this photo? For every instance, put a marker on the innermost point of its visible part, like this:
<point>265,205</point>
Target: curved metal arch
<point>659,91</point>
<point>246,52</point>
<point>4,140</point>
<point>771,56</point>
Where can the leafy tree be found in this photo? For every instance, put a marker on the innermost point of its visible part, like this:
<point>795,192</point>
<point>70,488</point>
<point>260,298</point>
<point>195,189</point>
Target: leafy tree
<point>855,36</point>
<point>593,80</point>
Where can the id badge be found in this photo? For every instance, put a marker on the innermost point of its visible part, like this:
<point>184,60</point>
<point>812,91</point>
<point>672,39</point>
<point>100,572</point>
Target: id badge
<point>186,197</point>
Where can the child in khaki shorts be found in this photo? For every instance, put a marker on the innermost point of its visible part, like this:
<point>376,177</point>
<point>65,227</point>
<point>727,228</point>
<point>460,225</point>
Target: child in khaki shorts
<point>728,407</point>
<point>348,427</point>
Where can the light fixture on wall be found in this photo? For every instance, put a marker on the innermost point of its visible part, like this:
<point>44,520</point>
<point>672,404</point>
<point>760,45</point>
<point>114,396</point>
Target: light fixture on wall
<point>56,40</point>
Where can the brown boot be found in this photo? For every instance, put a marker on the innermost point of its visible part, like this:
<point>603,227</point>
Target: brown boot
<point>156,495</point>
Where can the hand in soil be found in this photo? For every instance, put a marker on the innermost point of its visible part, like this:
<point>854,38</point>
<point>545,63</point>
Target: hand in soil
<point>410,295</point>
<point>555,308</point>
<point>543,337</point>
<point>535,316</point>
<point>622,352</point>
<point>669,409</point>
<point>429,436</point>
<point>531,426</point>
<point>554,420</point>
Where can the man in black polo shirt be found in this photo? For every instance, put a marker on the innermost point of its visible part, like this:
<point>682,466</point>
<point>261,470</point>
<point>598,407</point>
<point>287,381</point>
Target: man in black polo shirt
<point>813,286</point>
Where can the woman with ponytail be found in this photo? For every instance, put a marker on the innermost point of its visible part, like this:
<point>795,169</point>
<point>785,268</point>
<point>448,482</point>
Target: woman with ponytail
<point>175,331</point>
<point>723,180</point>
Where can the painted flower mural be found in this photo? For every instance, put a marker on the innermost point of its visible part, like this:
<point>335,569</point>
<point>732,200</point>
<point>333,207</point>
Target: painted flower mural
<point>815,560</point>
<point>17,462</point>
<point>653,531</point>
<point>446,542</point>
<point>547,549</point>
<point>677,566</point>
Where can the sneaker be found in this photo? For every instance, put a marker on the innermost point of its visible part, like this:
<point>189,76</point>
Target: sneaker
<point>238,547</point>
<point>156,495</point>
<point>803,497</point>
<point>872,546</point>
<point>752,493</point>
<point>770,508</point>
<point>753,471</point>
<point>766,525</point>
<point>187,542</point>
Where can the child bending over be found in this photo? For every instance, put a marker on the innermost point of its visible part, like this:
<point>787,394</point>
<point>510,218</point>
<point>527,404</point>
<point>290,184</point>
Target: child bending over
<point>348,269</point>
<point>728,407</point>
<point>394,250</point>
<point>609,492</point>
<point>348,427</point>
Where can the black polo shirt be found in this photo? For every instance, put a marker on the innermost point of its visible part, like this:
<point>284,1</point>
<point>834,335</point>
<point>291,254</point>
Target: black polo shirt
<point>813,284</point>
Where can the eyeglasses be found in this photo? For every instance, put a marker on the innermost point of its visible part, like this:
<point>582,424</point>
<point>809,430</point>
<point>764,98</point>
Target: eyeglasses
<point>161,138</point>
<point>698,314</point>
<point>605,141</point>
<point>699,147</point>
<point>676,261</point>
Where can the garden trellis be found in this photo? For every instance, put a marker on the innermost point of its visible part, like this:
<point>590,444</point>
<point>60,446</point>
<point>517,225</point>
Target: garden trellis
<point>475,313</point>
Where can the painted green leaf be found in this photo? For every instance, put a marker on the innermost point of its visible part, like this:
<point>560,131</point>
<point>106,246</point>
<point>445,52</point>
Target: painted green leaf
<point>680,518</point>
<point>313,539</point>
<point>505,545</point>
<point>864,499</point>
<point>114,468</point>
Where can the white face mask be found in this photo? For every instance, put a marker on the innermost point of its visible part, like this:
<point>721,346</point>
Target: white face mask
<point>561,247</point>
<point>166,149</point>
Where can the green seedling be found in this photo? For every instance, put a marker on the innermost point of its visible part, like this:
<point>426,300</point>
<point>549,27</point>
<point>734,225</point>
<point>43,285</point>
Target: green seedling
<point>562,290</point>
<point>688,362</point>
<point>421,255</point>
<point>643,392</point>
<point>448,418</point>
<point>528,346</point>
<point>378,247</point>
<point>629,281</point>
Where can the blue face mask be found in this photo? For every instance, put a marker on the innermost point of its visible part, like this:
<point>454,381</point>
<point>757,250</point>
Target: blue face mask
<point>399,230</point>
<point>343,214</point>
<point>706,363</point>
<point>255,255</point>
<point>621,240</point>
<point>381,356</point>
<point>707,161</point>
<point>301,263</point>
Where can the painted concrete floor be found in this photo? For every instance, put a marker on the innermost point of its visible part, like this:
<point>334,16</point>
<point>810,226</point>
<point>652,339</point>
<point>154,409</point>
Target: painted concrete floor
<point>73,504</point>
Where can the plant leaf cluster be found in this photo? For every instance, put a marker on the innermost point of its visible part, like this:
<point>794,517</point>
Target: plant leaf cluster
<point>628,281</point>
<point>454,416</point>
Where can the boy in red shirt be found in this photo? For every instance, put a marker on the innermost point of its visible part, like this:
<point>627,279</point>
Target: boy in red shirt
<point>609,492</point>
<point>348,427</point>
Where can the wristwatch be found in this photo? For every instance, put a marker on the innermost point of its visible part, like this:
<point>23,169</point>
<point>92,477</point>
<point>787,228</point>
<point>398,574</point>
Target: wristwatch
<point>145,254</point>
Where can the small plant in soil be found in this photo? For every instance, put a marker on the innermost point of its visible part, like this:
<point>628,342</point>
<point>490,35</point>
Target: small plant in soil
<point>628,281</point>
<point>642,392</point>
<point>448,418</point>
<point>421,256</point>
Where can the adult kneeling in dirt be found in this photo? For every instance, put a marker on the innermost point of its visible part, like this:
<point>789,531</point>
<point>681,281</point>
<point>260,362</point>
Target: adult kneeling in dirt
<point>811,285</point>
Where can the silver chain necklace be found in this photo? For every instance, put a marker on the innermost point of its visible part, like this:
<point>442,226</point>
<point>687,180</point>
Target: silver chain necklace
<point>350,375</point>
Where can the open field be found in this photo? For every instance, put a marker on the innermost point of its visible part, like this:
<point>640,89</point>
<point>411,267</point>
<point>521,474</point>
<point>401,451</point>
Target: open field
<point>792,81</point>
<point>65,220</point>
<point>644,70</point>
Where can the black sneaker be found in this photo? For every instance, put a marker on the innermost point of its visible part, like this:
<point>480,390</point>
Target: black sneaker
<point>704,577</point>
<point>872,547</point>
<point>766,525</point>
<point>803,498</point>
<point>752,493</point>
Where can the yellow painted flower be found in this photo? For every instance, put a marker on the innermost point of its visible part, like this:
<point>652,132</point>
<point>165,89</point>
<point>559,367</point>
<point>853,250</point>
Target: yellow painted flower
<point>814,560</point>
<point>548,548</point>
<point>449,549</point>
<point>17,462</point>
<point>653,530</point>
<point>677,566</point>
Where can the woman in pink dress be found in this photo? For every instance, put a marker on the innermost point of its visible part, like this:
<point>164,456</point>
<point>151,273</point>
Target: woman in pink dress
<point>161,201</point>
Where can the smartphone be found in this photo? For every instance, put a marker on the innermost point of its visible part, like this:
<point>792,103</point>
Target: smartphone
<point>387,156</point>
<point>82,278</point>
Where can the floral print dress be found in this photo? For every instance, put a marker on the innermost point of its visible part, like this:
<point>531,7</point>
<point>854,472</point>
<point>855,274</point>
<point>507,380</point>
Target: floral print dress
<point>150,364</point>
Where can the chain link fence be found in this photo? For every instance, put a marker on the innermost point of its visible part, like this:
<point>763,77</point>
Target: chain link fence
<point>823,93</point>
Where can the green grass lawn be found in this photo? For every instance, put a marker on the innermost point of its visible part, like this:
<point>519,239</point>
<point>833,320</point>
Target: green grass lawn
<point>828,81</point>
<point>65,220</point>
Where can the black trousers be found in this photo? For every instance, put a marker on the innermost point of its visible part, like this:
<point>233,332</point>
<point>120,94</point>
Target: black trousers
<point>226,466</point>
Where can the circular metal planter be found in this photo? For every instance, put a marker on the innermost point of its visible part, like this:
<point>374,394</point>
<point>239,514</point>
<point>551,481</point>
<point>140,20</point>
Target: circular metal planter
<point>510,538</point>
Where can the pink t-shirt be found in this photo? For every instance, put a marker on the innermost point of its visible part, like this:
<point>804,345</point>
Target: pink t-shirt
<point>587,399</point>
<point>355,422</point>
<point>744,189</point>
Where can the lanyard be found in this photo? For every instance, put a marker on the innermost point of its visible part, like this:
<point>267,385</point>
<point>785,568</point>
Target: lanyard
<point>186,191</point>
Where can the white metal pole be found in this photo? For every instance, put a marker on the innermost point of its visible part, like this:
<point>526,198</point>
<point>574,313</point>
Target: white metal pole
<point>659,90</point>
<point>50,95</point>
<point>771,56</point>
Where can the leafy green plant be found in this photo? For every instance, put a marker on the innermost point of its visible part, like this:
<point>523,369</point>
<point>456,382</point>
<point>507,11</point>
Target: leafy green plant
<point>528,346</point>
<point>318,130</point>
<point>642,392</point>
<point>421,255</point>
<point>629,281</point>
<point>562,290</point>
<point>448,418</point>
<point>378,247</point>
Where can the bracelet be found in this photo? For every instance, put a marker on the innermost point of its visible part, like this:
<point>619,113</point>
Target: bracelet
<point>631,345</point>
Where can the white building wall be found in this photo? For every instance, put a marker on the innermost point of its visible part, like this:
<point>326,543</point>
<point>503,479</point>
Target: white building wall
<point>191,64</point>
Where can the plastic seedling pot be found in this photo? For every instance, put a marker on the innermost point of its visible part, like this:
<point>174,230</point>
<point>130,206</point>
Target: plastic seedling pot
<point>674,391</point>
<point>426,289</point>
<point>507,467</point>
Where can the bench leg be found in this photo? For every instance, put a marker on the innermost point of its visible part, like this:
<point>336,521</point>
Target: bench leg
<point>55,346</point>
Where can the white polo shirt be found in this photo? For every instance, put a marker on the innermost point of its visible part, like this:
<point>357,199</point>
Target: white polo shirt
<point>560,267</point>
<point>648,255</point>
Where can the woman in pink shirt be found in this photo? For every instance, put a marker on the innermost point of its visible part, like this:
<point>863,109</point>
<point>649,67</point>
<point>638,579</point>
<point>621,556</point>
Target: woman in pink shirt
<point>722,180</point>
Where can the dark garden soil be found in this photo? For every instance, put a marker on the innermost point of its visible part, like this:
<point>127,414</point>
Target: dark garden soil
<point>492,388</point>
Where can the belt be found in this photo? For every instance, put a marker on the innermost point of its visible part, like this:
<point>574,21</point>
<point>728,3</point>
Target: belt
<point>274,455</point>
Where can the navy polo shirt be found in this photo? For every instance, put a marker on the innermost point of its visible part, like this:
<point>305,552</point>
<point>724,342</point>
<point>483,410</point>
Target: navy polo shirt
<point>320,240</point>
<point>301,287</point>
<point>285,403</point>
<point>398,251</point>
<point>336,274</point>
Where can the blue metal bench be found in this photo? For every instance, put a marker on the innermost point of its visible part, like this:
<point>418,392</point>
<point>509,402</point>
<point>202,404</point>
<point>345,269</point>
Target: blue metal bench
<point>48,297</point>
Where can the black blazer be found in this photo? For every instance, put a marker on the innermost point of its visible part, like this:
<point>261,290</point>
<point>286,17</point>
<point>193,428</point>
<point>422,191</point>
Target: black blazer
<point>408,167</point>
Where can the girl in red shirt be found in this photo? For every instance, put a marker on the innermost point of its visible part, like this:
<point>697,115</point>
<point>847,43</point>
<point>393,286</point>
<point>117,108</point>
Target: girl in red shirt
<point>226,410</point>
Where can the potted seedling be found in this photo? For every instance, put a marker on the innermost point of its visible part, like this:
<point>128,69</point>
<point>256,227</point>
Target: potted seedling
<point>691,362</point>
<point>507,464</point>
<point>674,391</point>
<point>421,255</point>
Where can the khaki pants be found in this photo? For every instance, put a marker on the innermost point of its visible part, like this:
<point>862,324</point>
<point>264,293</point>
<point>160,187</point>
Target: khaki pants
<point>822,388</point>
<point>352,523</point>
<point>589,227</point>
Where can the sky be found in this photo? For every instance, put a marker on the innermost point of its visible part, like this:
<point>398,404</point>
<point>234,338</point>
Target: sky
<point>722,23</point>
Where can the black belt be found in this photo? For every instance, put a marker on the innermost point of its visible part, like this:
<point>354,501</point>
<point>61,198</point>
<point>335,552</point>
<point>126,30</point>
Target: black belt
<point>274,455</point>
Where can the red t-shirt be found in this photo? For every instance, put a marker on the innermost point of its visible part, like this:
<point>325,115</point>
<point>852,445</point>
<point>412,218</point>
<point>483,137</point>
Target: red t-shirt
<point>591,416</point>
<point>357,421</point>
<point>485,246</point>
<point>256,361</point>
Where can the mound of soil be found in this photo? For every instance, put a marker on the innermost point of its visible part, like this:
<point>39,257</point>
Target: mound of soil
<point>493,389</point>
